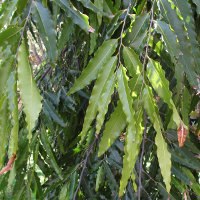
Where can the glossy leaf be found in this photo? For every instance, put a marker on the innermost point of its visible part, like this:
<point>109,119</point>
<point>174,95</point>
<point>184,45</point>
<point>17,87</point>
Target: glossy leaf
<point>104,101</point>
<point>113,129</point>
<point>186,57</point>
<point>47,147</point>
<point>103,76</point>
<point>13,107</point>
<point>90,72</point>
<point>164,157</point>
<point>46,28</point>
<point>29,92</point>
<point>76,16</point>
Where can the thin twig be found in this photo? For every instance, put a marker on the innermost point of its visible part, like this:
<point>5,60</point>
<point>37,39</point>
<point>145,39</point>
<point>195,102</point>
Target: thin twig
<point>43,76</point>
<point>141,157</point>
<point>84,166</point>
<point>122,31</point>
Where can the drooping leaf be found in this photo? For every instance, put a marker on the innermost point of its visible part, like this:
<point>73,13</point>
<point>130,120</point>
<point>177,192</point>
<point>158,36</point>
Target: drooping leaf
<point>104,101</point>
<point>4,130</point>
<point>105,72</point>
<point>29,92</point>
<point>76,16</point>
<point>164,157</point>
<point>131,151</point>
<point>185,56</point>
<point>13,107</point>
<point>139,26</point>
<point>5,18</point>
<point>91,71</point>
<point>47,147</point>
<point>46,29</point>
<point>113,129</point>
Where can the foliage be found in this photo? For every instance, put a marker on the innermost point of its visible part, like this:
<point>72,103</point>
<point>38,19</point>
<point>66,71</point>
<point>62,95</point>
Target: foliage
<point>95,99</point>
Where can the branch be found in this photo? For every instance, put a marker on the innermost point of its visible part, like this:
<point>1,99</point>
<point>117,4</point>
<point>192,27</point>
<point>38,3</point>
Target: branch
<point>141,158</point>
<point>84,165</point>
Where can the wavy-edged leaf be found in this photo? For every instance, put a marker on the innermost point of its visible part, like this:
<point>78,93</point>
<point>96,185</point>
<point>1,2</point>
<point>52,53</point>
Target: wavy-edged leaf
<point>4,130</point>
<point>187,58</point>
<point>47,147</point>
<point>157,78</point>
<point>131,151</point>
<point>185,108</point>
<point>13,107</point>
<point>103,76</point>
<point>5,18</point>
<point>46,29</point>
<point>99,178</point>
<point>164,157</point>
<point>91,71</point>
<point>104,101</point>
<point>113,129</point>
<point>29,92</point>
<point>126,99</point>
<point>76,16</point>
<point>51,112</point>
<point>187,14</point>
<point>139,26</point>
<point>9,35</point>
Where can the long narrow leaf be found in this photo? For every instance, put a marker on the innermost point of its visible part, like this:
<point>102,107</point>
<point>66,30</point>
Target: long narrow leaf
<point>28,90</point>
<point>90,72</point>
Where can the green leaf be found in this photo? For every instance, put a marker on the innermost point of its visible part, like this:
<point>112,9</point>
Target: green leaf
<point>47,147</point>
<point>131,151</point>
<point>126,99</point>
<point>46,29</point>
<point>103,76</point>
<point>29,92</point>
<point>90,72</point>
<point>138,27</point>
<point>157,78</point>
<point>113,129</point>
<point>187,14</point>
<point>187,58</point>
<point>5,18</point>
<point>186,101</point>
<point>104,101</point>
<point>99,178</point>
<point>198,5</point>
<point>13,107</point>
<point>9,35</point>
<point>99,4</point>
<point>51,112</point>
<point>21,5</point>
<point>76,16</point>
<point>4,130</point>
<point>164,157</point>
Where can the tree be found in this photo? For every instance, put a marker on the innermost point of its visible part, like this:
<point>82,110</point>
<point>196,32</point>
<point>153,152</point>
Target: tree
<point>95,98</point>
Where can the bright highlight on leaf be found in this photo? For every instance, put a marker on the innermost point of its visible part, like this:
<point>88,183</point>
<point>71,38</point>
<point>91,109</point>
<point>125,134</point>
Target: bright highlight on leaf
<point>29,92</point>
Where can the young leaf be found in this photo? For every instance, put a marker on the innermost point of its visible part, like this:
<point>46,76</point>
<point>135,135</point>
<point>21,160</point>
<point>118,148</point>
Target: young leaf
<point>46,28</point>
<point>164,157</point>
<point>29,92</point>
<point>113,129</point>
<point>76,16</point>
<point>47,147</point>
<point>104,101</point>
<point>13,107</point>
<point>90,72</point>
<point>103,76</point>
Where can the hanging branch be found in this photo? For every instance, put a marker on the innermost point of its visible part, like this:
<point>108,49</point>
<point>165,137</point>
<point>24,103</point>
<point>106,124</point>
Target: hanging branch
<point>87,154</point>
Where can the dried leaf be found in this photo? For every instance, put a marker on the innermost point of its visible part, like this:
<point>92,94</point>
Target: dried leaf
<point>9,165</point>
<point>182,134</point>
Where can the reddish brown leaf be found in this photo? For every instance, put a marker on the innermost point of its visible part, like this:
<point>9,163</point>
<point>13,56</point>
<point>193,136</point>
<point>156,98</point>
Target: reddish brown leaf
<point>182,134</point>
<point>9,165</point>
